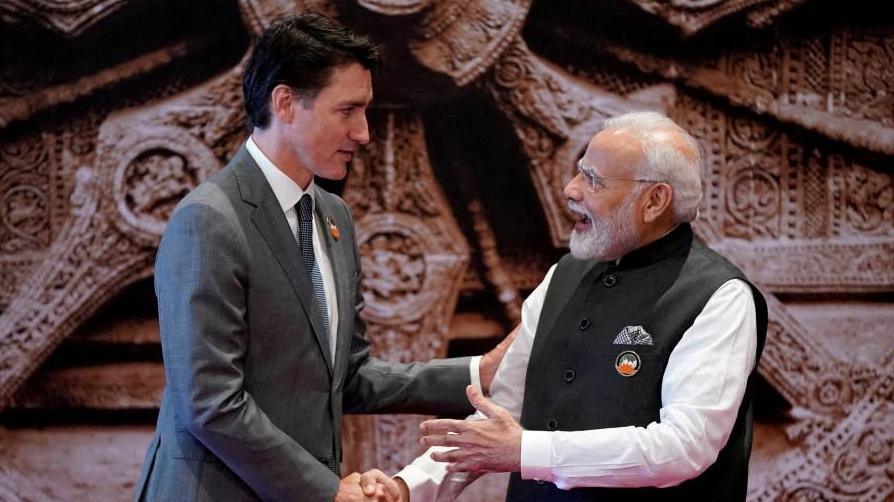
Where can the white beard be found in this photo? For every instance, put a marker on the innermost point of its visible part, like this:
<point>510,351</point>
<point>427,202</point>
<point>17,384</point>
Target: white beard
<point>607,238</point>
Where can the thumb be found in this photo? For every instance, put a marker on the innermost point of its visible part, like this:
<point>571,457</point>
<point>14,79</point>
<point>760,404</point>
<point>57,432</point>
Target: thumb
<point>481,403</point>
<point>368,484</point>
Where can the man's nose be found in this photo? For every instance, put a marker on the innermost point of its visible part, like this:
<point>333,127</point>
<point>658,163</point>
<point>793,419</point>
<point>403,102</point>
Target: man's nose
<point>572,190</point>
<point>359,132</point>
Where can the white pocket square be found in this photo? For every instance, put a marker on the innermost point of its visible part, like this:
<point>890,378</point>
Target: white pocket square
<point>633,335</point>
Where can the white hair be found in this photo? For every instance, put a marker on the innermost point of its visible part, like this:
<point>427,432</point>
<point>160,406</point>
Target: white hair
<point>671,155</point>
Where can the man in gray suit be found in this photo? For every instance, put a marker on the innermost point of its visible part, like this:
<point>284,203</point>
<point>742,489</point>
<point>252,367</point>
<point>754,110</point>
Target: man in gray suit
<point>257,280</point>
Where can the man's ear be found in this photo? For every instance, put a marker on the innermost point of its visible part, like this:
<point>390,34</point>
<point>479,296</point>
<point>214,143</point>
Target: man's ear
<point>281,103</point>
<point>658,201</point>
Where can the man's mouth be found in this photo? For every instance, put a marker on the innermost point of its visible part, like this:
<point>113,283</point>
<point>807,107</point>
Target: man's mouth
<point>348,153</point>
<point>582,221</point>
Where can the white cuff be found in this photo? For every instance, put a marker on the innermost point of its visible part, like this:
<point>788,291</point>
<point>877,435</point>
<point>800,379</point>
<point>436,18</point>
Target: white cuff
<point>536,455</point>
<point>422,488</point>
<point>474,373</point>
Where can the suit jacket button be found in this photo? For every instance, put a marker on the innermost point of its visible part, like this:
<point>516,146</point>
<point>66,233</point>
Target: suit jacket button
<point>540,481</point>
<point>610,281</point>
<point>584,324</point>
<point>569,376</point>
<point>552,424</point>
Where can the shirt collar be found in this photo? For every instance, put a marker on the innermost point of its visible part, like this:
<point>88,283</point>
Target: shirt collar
<point>287,192</point>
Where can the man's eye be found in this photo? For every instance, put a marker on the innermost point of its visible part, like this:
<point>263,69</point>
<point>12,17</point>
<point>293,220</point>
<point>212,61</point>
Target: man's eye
<point>592,180</point>
<point>346,111</point>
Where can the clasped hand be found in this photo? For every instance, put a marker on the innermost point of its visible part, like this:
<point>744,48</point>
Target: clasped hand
<point>372,485</point>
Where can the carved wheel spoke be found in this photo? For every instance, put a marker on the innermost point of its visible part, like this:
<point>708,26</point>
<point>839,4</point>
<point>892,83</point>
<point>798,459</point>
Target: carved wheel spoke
<point>414,257</point>
<point>554,116</point>
<point>85,267</point>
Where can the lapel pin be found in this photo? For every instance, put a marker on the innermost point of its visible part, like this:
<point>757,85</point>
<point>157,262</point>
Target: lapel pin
<point>333,229</point>
<point>627,364</point>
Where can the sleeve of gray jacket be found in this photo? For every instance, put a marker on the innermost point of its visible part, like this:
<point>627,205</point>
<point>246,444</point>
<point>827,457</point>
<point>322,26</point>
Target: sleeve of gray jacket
<point>201,286</point>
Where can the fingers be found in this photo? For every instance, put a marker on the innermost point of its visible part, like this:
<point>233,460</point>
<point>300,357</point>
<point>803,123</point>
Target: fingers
<point>463,467</point>
<point>448,456</point>
<point>481,403</point>
<point>443,426</point>
<point>380,495</point>
<point>389,486</point>
<point>368,483</point>
<point>443,440</point>
<point>379,486</point>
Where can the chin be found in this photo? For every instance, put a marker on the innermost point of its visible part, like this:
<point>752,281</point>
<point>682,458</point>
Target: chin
<point>335,174</point>
<point>579,245</point>
<point>588,246</point>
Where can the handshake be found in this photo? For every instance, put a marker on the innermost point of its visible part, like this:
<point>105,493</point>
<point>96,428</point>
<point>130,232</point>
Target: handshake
<point>372,485</point>
<point>491,443</point>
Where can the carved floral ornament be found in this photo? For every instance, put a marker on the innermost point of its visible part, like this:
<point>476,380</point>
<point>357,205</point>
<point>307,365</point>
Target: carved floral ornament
<point>153,172</point>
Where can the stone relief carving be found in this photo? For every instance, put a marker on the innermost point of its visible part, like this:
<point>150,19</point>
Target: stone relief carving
<point>463,39</point>
<point>67,18</point>
<point>154,172</point>
<point>116,217</point>
<point>798,136</point>
<point>692,16</point>
<point>413,260</point>
<point>823,67</point>
<point>554,116</point>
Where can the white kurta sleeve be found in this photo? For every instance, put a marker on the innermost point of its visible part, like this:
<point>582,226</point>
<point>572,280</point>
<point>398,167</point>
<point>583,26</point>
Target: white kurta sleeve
<point>424,476</point>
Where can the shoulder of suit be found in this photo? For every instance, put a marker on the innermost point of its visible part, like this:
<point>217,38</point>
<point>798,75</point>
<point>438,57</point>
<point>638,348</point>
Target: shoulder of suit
<point>218,191</point>
<point>704,255</point>
<point>333,200</point>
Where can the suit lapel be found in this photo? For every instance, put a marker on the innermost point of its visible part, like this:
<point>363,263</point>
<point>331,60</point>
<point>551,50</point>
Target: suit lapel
<point>328,210</point>
<point>270,221</point>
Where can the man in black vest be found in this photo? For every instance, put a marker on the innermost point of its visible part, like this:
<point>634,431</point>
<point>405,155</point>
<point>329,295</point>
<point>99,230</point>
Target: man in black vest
<point>634,353</point>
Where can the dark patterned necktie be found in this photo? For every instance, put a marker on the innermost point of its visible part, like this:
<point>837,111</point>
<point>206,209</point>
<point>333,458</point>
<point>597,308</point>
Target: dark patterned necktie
<point>305,240</point>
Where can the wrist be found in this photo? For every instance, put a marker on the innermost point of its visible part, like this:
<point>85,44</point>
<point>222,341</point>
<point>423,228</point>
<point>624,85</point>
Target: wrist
<point>404,489</point>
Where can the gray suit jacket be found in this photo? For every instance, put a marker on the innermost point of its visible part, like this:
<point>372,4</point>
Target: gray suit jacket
<point>253,403</point>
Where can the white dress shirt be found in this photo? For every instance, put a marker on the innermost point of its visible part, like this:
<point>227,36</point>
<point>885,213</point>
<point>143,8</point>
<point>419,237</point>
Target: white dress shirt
<point>288,193</point>
<point>702,388</point>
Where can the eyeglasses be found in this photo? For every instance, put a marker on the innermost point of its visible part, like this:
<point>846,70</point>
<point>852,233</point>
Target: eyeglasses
<point>595,181</point>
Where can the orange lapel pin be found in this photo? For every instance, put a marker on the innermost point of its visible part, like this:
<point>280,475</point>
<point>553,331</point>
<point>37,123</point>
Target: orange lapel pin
<point>333,229</point>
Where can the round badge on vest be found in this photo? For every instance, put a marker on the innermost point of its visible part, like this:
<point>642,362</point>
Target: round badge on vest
<point>627,363</point>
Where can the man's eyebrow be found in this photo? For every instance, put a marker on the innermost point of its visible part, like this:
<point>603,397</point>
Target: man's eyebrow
<point>352,102</point>
<point>583,167</point>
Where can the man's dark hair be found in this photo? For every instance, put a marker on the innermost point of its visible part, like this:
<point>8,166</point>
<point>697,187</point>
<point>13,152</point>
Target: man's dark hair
<point>301,52</point>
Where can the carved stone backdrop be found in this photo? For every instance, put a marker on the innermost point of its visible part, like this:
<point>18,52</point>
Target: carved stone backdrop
<point>112,110</point>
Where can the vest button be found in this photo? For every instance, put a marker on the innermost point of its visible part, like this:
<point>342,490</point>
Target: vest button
<point>584,324</point>
<point>569,376</point>
<point>552,424</point>
<point>540,481</point>
<point>609,281</point>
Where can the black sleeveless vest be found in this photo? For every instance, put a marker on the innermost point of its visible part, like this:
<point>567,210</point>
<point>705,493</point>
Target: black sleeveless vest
<point>572,382</point>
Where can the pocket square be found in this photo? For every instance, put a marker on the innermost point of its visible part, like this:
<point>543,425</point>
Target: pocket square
<point>633,335</point>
